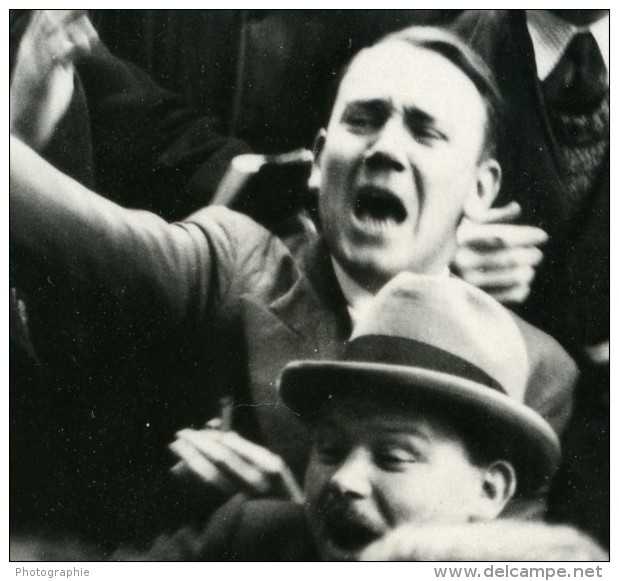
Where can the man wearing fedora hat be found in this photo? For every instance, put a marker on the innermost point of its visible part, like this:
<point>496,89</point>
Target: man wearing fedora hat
<point>408,151</point>
<point>420,423</point>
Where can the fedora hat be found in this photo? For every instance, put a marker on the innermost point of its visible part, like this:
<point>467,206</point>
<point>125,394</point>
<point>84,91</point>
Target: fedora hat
<point>437,343</point>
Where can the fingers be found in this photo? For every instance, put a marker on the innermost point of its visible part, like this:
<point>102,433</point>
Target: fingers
<point>268,462</point>
<point>472,260</point>
<point>499,258</point>
<point>191,461</point>
<point>252,453</point>
<point>495,236</point>
<point>227,460</point>
<point>51,20</point>
<point>514,295</point>
<point>82,35</point>
<point>503,278</point>
<point>507,276</point>
<point>502,215</point>
<point>63,35</point>
<point>248,466</point>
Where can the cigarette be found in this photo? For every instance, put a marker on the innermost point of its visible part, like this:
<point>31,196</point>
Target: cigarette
<point>226,403</point>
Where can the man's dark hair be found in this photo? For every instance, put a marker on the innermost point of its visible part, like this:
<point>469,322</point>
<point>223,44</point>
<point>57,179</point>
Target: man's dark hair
<point>463,57</point>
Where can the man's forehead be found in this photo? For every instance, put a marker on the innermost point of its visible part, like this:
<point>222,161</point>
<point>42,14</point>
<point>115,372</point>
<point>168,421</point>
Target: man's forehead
<point>398,71</point>
<point>373,415</point>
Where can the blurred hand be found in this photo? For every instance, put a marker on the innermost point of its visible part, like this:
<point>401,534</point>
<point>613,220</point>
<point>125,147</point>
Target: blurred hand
<point>498,257</point>
<point>232,464</point>
<point>42,83</point>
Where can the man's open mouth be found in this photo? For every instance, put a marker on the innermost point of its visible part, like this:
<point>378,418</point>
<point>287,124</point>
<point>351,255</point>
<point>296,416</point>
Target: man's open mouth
<point>379,205</point>
<point>349,534</point>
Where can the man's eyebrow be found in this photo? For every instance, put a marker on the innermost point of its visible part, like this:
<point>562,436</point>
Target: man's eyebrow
<point>416,116</point>
<point>403,430</point>
<point>377,105</point>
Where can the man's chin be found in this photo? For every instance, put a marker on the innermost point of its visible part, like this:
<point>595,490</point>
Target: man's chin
<point>330,551</point>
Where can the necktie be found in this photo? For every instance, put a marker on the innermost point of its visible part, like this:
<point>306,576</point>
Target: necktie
<point>578,82</point>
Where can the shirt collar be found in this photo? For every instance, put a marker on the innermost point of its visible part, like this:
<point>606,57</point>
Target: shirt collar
<point>356,296</point>
<point>551,35</point>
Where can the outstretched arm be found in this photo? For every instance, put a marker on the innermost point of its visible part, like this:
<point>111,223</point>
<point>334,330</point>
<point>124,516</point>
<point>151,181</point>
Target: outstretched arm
<point>42,83</point>
<point>99,259</point>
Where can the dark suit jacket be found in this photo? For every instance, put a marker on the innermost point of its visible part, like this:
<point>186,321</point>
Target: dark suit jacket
<point>570,295</point>
<point>241,530</point>
<point>171,316</point>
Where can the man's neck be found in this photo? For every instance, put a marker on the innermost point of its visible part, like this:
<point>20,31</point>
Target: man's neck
<point>357,295</point>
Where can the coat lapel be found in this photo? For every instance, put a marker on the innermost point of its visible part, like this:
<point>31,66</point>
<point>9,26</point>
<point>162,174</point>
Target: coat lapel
<point>308,321</point>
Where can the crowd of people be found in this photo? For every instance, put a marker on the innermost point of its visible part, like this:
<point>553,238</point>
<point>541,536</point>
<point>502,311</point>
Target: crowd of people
<point>410,362</point>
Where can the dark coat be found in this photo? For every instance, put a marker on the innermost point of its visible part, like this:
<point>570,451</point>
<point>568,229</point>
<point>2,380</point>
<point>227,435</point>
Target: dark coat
<point>570,295</point>
<point>241,530</point>
<point>270,530</point>
<point>169,317</point>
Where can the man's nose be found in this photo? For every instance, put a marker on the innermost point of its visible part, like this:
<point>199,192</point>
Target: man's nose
<point>390,149</point>
<point>353,477</point>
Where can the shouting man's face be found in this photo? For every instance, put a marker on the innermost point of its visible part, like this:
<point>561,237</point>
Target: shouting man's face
<point>399,162</point>
<point>373,468</point>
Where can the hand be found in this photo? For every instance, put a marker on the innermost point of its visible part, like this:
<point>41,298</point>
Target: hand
<point>232,464</point>
<point>497,257</point>
<point>43,79</point>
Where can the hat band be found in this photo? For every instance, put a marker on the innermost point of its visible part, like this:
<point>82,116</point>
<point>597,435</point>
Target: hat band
<point>413,353</point>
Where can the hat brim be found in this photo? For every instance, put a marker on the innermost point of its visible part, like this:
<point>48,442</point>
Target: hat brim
<point>306,385</point>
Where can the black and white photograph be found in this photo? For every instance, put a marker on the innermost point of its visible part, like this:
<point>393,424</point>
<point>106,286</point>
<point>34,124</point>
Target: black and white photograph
<point>309,285</point>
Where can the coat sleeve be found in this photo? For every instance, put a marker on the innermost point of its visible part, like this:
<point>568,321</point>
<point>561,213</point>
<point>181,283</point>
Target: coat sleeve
<point>99,274</point>
<point>151,149</point>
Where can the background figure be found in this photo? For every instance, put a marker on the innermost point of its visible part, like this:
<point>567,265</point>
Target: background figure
<point>269,75</point>
<point>552,67</point>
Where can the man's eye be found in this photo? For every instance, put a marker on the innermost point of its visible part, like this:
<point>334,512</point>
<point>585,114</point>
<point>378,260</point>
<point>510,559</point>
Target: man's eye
<point>361,122</point>
<point>329,447</point>
<point>395,459</point>
<point>428,135</point>
<point>330,452</point>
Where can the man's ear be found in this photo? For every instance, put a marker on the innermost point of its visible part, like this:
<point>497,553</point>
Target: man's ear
<point>497,489</point>
<point>319,144</point>
<point>488,184</point>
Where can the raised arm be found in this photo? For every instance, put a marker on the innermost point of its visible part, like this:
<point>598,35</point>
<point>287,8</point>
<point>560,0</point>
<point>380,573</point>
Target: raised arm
<point>151,149</point>
<point>101,260</point>
<point>42,83</point>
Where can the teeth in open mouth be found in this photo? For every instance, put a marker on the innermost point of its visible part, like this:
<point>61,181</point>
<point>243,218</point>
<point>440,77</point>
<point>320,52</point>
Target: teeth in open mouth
<point>379,205</point>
